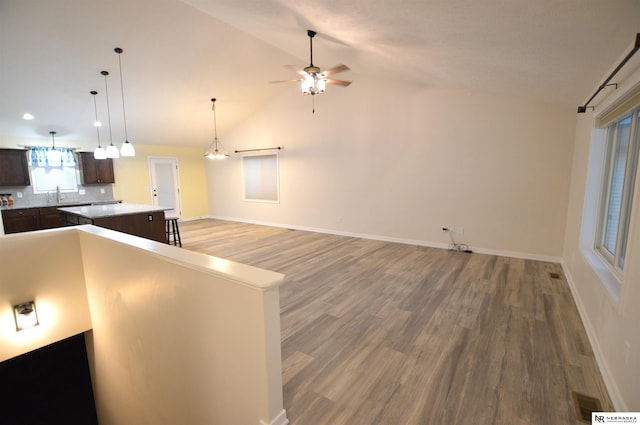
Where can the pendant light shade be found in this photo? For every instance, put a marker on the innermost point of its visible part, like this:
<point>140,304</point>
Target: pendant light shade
<point>214,152</point>
<point>127,148</point>
<point>99,153</point>
<point>112,151</point>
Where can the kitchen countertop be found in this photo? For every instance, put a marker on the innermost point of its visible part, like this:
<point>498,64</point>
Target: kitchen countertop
<point>58,204</point>
<point>109,210</point>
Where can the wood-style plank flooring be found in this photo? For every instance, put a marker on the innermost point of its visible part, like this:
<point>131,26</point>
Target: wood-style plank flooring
<point>385,333</point>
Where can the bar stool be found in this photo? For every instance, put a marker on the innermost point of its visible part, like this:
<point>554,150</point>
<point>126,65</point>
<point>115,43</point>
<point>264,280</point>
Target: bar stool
<point>173,232</point>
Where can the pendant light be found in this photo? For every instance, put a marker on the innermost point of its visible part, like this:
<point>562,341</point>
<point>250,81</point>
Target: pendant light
<point>99,153</point>
<point>112,151</point>
<point>213,152</point>
<point>127,148</point>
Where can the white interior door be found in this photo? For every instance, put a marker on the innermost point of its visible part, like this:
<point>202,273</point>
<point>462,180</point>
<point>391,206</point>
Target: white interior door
<point>165,185</point>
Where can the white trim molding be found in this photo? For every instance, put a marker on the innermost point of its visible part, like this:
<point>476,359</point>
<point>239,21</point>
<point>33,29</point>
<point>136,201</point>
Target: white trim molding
<point>281,419</point>
<point>479,250</point>
<point>617,400</point>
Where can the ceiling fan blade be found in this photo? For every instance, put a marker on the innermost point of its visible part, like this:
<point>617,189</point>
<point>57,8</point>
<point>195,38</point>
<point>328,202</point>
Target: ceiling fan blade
<point>335,70</point>
<point>285,81</point>
<point>339,82</point>
<point>295,69</point>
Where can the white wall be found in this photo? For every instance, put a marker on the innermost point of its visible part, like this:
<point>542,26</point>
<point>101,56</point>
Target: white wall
<point>396,161</point>
<point>181,337</point>
<point>45,267</point>
<point>610,322</point>
<point>175,336</point>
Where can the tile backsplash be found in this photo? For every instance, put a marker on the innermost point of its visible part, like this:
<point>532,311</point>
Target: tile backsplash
<point>92,193</point>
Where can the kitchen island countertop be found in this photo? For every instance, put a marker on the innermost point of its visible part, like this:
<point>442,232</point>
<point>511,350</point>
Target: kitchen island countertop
<point>141,220</point>
<point>110,210</point>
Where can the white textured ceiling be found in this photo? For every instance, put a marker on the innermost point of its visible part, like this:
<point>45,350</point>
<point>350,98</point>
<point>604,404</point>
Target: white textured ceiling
<point>178,54</point>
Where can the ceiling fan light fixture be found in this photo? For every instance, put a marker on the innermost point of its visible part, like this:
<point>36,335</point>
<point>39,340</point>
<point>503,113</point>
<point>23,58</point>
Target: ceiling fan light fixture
<point>312,79</point>
<point>307,84</point>
<point>214,152</point>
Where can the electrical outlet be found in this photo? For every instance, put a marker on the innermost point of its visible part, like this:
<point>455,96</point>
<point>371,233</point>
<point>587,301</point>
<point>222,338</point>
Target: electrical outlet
<point>101,190</point>
<point>19,194</point>
<point>461,230</point>
<point>82,192</point>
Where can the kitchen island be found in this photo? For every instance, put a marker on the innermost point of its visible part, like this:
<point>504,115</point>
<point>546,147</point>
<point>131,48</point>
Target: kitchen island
<point>141,220</point>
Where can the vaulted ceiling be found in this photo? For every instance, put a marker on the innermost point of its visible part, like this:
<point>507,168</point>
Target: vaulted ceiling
<point>179,54</point>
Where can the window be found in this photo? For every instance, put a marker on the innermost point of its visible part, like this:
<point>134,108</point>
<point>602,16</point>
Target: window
<point>51,172</point>
<point>621,163</point>
<point>260,174</point>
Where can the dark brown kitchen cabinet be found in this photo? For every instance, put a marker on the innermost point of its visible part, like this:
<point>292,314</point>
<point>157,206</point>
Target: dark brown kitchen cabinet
<point>49,218</point>
<point>14,170</point>
<point>23,220</point>
<point>95,171</point>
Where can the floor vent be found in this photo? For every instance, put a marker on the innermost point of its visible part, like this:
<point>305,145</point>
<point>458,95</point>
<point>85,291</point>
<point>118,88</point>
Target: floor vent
<point>554,275</point>
<point>585,405</point>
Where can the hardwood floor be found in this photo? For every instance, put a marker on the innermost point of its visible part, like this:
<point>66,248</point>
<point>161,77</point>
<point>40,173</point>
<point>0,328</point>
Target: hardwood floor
<point>384,333</point>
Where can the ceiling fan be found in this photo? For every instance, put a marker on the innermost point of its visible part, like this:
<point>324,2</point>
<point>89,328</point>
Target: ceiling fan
<point>313,80</point>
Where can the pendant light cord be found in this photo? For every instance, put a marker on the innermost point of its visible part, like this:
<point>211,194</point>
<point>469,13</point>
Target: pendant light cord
<point>95,107</point>
<point>106,92</point>
<point>215,124</point>
<point>118,50</point>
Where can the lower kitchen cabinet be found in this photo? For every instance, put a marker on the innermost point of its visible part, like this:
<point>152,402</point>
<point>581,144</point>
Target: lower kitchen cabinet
<point>49,218</point>
<point>28,219</point>
<point>22,220</point>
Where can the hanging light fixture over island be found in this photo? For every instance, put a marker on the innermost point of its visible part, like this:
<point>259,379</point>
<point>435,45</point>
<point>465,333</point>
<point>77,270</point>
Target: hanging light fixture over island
<point>213,152</point>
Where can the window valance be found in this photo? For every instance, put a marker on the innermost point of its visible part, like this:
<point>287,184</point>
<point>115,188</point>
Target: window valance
<point>51,157</point>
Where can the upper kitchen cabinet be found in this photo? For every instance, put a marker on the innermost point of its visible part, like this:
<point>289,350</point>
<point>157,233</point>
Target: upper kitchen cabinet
<point>14,170</point>
<point>95,171</point>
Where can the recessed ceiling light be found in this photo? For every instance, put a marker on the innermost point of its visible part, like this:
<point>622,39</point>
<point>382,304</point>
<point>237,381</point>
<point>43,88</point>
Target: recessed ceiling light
<point>28,116</point>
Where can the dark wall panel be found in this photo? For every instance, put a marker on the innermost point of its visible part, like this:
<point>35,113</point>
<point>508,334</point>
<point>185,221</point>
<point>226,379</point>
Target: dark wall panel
<point>51,385</point>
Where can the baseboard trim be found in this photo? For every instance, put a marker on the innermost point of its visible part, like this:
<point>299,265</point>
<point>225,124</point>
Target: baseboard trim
<point>618,402</point>
<point>281,419</point>
<point>512,254</point>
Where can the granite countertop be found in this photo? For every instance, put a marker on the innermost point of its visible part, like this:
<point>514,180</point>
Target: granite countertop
<point>110,210</point>
<point>58,204</point>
